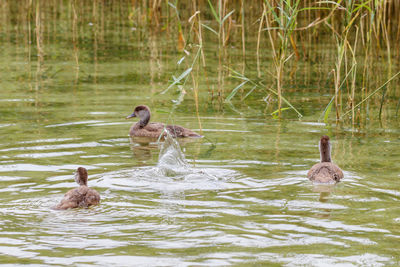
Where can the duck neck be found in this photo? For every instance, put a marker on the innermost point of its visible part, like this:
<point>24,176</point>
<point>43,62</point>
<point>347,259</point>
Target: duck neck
<point>81,179</point>
<point>325,150</point>
<point>144,119</point>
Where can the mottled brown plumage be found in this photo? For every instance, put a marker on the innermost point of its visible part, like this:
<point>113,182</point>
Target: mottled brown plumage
<point>154,129</point>
<point>82,196</point>
<point>325,171</point>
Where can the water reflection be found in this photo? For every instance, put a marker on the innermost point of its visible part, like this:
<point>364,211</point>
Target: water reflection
<point>143,148</point>
<point>238,196</point>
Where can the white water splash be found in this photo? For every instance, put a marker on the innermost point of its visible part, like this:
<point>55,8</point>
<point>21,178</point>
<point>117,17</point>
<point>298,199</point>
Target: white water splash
<point>171,160</point>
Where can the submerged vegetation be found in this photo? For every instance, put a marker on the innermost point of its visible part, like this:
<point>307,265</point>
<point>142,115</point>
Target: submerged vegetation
<point>284,37</point>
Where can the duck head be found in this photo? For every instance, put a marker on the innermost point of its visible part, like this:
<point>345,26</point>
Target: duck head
<point>81,176</point>
<point>325,149</point>
<point>143,112</point>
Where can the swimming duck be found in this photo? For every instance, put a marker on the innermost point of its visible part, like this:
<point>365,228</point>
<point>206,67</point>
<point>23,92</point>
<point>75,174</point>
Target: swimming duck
<point>82,196</point>
<point>154,129</point>
<point>325,171</point>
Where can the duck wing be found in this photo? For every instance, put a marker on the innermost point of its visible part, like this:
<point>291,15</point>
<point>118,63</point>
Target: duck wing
<point>325,171</point>
<point>154,127</point>
<point>179,131</point>
<point>82,196</point>
<point>71,200</point>
<point>92,197</point>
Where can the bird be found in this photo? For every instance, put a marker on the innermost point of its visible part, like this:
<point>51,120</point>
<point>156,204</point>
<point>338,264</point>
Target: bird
<point>143,128</point>
<point>82,196</point>
<point>325,171</point>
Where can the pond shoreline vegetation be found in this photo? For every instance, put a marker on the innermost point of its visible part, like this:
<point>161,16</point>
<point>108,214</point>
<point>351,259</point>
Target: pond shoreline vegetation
<point>260,79</point>
<point>285,30</point>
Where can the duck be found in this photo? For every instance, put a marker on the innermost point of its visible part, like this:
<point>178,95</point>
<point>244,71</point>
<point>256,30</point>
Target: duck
<point>143,128</point>
<point>82,196</point>
<point>325,171</point>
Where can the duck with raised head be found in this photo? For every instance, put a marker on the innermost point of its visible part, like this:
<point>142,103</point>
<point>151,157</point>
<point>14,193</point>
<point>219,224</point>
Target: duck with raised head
<point>154,129</point>
<point>82,196</point>
<point>325,171</point>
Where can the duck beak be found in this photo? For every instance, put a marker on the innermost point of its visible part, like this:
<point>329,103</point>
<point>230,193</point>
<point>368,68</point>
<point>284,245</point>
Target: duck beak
<point>131,116</point>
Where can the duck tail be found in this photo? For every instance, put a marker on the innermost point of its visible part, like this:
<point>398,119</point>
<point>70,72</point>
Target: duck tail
<point>195,135</point>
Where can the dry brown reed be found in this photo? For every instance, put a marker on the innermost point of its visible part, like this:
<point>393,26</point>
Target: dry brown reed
<point>284,33</point>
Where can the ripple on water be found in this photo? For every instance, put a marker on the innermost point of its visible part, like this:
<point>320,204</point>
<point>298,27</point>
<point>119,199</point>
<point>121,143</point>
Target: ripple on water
<point>73,123</point>
<point>175,208</point>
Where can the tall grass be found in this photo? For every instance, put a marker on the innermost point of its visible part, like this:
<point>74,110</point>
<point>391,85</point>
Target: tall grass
<point>282,37</point>
<point>281,18</point>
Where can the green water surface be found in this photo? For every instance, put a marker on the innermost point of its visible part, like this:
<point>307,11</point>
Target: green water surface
<point>242,197</point>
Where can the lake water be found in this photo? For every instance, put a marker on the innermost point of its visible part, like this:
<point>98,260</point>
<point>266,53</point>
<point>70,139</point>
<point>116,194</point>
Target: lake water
<point>238,196</point>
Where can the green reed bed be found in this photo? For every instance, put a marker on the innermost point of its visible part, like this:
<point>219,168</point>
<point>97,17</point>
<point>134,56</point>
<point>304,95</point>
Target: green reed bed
<point>365,34</point>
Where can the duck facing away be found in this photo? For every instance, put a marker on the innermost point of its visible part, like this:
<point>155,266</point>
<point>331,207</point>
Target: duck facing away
<point>82,196</point>
<point>154,129</point>
<point>325,171</point>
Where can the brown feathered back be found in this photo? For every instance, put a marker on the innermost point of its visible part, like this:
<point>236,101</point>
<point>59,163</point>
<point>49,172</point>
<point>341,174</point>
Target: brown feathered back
<point>82,196</point>
<point>325,171</point>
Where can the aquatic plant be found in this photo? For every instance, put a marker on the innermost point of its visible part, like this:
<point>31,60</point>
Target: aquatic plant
<point>219,36</point>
